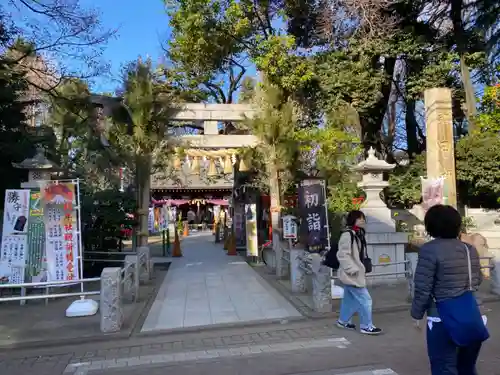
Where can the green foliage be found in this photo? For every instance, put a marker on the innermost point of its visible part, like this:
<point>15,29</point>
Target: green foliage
<point>104,214</point>
<point>277,58</point>
<point>478,169</point>
<point>275,126</point>
<point>405,186</point>
<point>489,118</point>
<point>15,140</point>
<point>150,104</point>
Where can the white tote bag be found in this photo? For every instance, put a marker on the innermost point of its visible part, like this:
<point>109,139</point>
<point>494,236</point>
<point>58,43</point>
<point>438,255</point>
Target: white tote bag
<point>337,291</point>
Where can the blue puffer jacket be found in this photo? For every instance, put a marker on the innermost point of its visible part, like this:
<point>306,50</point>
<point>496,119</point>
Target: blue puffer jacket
<point>442,273</point>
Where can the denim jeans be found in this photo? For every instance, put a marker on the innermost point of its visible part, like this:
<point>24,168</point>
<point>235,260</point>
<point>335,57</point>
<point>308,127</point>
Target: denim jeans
<point>445,357</point>
<point>356,300</point>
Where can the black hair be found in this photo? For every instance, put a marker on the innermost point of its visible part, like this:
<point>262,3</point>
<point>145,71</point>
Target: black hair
<point>352,216</point>
<point>443,222</point>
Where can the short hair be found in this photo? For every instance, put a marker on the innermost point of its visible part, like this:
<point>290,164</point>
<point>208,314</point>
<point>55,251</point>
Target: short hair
<point>352,216</point>
<point>443,222</point>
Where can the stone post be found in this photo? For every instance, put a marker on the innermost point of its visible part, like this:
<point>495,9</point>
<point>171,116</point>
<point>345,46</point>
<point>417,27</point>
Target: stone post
<point>280,269</point>
<point>322,285</point>
<point>495,272</point>
<point>145,265</point>
<point>297,274</point>
<point>111,300</point>
<point>131,277</point>
<point>440,152</point>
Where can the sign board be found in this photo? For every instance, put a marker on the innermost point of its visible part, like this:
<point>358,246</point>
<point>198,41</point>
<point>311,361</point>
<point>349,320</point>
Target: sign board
<point>432,192</point>
<point>61,230</point>
<point>289,227</point>
<point>314,218</point>
<point>14,251</point>
<point>251,230</point>
<point>36,267</point>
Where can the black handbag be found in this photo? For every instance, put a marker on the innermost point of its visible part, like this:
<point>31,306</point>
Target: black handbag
<point>363,254</point>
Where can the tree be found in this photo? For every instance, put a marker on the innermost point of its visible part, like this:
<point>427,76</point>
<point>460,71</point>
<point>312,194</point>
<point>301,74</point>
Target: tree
<point>66,30</point>
<point>142,147</point>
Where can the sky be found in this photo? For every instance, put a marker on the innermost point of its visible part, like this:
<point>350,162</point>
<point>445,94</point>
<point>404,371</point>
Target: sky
<point>141,28</point>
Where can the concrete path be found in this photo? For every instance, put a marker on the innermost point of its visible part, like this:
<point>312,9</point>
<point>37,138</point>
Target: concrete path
<point>207,287</point>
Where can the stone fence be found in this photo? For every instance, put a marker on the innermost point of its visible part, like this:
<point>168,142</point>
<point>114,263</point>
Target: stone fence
<point>122,284</point>
<point>306,273</point>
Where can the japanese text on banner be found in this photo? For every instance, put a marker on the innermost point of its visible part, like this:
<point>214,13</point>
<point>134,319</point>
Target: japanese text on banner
<point>61,231</point>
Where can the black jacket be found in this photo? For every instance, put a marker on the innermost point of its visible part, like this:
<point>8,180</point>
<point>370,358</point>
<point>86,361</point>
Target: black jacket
<point>442,273</point>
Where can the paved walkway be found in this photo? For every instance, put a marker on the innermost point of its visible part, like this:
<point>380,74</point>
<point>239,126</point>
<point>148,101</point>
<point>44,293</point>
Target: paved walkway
<point>207,287</point>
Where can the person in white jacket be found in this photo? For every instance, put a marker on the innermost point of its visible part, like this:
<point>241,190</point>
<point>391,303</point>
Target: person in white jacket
<point>352,251</point>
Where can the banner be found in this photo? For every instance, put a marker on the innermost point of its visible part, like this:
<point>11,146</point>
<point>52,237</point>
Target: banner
<point>251,230</point>
<point>61,231</point>
<point>36,266</point>
<point>314,220</point>
<point>14,235</point>
<point>239,225</point>
<point>432,192</point>
<point>289,227</point>
<point>151,220</point>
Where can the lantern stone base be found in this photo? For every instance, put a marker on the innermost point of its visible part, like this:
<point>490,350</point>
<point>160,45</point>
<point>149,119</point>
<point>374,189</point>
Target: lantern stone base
<point>387,251</point>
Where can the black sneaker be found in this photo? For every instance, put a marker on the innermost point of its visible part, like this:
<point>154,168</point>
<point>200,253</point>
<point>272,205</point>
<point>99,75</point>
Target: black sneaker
<point>371,331</point>
<point>346,325</point>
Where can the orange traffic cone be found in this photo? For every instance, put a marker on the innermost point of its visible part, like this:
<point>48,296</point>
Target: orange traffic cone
<point>186,229</point>
<point>177,252</point>
<point>232,245</point>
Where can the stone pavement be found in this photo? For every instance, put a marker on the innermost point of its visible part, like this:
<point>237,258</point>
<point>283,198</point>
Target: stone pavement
<point>313,347</point>
<point>207,287</point>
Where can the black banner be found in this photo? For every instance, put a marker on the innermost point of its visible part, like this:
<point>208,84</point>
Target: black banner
<point>314,222</point>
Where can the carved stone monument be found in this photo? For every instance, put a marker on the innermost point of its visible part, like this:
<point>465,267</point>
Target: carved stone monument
<point>111,300</point>
<point>297,275</point>
<point>321,285</point>
<point>145,263</point>
<point>440,146</point>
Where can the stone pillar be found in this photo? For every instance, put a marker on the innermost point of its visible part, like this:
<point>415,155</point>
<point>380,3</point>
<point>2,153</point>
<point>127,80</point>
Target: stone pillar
<point>440,152</point>
<point>111,300</point>
<point>210,127</point>
<point>322,285</point>
<point>297,274</point>
<point>280,263</point>
<point>144,262</point>
<point>131,279</point>
<point>495,272</point>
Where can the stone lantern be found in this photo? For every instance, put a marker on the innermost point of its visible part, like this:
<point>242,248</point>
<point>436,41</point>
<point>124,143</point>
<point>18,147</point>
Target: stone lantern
<point>378,214</point>
<point>39,168</point>
<point>386,247</point>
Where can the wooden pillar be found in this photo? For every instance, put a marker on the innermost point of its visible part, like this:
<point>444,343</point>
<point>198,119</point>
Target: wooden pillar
<point>440,145</point>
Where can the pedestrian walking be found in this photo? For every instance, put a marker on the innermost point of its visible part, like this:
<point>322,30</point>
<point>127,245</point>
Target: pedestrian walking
<point>353,265</point>
<point>447,274</point>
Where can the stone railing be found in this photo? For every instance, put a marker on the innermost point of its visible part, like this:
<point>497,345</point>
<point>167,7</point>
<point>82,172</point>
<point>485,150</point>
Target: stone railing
<point>121,284</point>
<point>307,275</point>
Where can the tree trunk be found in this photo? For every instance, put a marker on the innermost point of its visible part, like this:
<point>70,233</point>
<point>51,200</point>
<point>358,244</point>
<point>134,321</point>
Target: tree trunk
<point>274,195</point>
<point>143,176</point>
<point>411,129</point>
<point>460,38</point>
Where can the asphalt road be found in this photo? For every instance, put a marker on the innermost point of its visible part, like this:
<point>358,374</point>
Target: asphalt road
<point>314,347</point>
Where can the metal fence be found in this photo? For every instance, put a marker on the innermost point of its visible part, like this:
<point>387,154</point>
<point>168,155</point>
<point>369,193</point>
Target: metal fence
<point>133,265</point>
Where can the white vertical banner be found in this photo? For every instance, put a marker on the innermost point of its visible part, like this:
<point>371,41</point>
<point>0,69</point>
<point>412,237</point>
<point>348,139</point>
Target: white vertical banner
<point>289,227</point>
<point>151,220</point>
<point>15,235</point>
<point>251,230</point>
<point>432,192</point>
<point>59,199</point>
